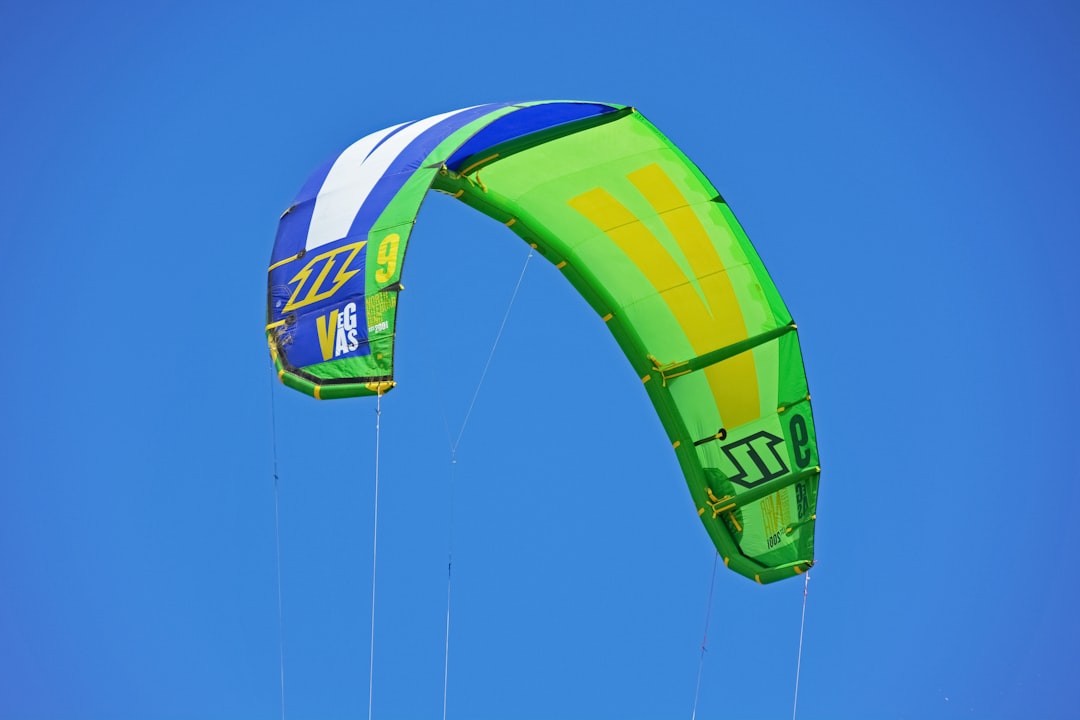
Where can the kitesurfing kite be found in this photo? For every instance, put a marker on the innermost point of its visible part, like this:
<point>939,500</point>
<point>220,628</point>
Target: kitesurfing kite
<point>637,229</point>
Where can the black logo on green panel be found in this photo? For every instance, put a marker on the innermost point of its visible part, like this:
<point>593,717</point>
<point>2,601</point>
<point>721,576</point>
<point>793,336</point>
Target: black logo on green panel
<point>756,459</point>
<point>800,440</point>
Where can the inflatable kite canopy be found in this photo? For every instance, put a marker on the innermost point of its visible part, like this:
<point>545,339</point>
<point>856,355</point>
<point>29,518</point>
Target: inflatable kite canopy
<point>637,229</point>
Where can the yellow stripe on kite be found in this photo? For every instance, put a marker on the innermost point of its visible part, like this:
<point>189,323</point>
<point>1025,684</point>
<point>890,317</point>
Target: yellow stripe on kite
<point>286,261</point>
<point>725,324</point>
<point>708,323</point>
<point>478,163</point>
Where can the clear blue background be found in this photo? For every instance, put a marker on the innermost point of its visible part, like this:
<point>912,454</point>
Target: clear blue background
<point>909,173</point>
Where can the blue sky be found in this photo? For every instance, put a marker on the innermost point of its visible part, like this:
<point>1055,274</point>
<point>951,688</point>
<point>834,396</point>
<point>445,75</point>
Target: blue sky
<point>909,175</point>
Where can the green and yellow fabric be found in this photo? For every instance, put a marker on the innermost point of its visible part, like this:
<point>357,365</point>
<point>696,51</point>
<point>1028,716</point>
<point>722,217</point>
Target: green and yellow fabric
<point>638,230</point>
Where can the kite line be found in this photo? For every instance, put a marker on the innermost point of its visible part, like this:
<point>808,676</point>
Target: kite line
<point>705,636</point>
<point>374,551</point>
<point>277,545</point>
<point>798,663</point>
<point>453,465</point>
<point>491,355</point>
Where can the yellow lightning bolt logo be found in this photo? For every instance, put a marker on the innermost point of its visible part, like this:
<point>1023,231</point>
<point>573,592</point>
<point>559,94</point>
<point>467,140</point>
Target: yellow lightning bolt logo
<point>307,292</point>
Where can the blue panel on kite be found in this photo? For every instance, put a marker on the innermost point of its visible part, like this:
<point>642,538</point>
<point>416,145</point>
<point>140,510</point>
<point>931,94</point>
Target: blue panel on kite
<point>524,122</point>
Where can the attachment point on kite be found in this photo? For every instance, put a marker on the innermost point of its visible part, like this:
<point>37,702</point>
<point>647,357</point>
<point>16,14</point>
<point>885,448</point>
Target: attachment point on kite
<point>715,503</point>
<point>671,370</point>
<point>380,388</point>
<point>720,434</point>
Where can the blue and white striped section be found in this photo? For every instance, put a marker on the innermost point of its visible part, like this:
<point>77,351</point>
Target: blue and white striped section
<point>342,194</point>
<point>365,177</point>
<point>347,196</point>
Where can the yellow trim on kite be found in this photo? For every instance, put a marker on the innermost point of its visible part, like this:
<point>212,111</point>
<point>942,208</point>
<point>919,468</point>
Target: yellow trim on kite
<point>667,371</point>
<point>784,408</point>
<point>478,163</point>
<point>734,521</point>
<point>561,265</point>
<point>380,388</point>
<point>318,392</point>
<point>510,222</point>
<point>286,261</point>
<point>607,317</point>
<point>714,503</point>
